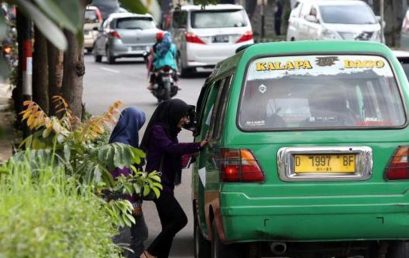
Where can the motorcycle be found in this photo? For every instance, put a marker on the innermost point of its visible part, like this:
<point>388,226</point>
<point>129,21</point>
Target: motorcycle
<point>164,87</point>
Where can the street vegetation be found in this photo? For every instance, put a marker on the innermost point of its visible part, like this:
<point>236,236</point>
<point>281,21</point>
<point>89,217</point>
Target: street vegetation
<point>58,186</point>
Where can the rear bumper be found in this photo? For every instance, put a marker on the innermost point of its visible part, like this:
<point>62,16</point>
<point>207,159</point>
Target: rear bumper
<point>198,55</point>
<point>315,218</point>
<point>130,50</point>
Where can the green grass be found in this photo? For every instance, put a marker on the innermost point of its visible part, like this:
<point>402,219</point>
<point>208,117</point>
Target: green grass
<point>44,214</point>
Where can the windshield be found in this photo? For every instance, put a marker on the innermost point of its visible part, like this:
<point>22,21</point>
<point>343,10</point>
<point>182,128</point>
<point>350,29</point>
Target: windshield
<point>347,14</point>
<point>320,92</point>
<point>218,19</point>
<point>135,23</point>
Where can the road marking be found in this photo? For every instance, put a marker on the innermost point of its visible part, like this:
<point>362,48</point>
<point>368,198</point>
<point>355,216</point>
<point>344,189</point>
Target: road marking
<point>109,70</point>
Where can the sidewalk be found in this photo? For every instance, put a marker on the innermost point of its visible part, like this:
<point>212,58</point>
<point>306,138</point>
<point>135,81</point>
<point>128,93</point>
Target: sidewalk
<point>6,122</point>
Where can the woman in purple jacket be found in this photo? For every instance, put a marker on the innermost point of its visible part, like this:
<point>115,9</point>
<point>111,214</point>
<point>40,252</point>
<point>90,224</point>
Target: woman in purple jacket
<point>164,154</point>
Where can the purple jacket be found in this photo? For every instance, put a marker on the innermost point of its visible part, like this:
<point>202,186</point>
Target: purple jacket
<point>171,150</point>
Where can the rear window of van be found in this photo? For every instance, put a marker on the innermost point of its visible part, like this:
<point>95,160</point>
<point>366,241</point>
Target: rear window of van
<point>218,19</point>
<point>322,92</point>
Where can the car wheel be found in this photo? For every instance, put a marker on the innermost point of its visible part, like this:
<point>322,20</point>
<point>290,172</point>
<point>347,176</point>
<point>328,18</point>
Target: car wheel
<point>398,249</point>
<point>110,57</point>
<point>220,250</point>
<point>183,72</point>
<point>201,245</point>
<point>97,58</point>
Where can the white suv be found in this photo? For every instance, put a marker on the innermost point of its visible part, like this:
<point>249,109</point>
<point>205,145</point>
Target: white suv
<point>333,19</point>
<point>205,36</point>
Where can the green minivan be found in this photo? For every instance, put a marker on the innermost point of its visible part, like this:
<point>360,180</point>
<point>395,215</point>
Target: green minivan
<point>308,153</point>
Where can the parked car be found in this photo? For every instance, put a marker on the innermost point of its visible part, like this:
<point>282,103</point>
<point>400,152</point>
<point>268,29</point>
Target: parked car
<point>307,153</point>
<point>92,21</point>
<point>205,36</point>
<point>125,35</point>
<point>333,19</point>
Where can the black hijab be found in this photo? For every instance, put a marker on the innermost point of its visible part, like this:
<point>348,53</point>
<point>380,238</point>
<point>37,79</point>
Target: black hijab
<point>168,114</point>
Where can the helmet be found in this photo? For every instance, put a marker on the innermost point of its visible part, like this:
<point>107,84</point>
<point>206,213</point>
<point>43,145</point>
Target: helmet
<point>159,35</point>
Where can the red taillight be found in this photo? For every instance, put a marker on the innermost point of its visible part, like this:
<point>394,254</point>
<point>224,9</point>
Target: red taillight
<point>115,34</point>
<point>245,37</point>
<point>398,167</point>
<point>192,38</point>
<point>239,166</point>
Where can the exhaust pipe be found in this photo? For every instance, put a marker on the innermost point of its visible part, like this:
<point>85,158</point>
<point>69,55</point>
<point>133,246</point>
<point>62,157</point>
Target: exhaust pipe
<point>278,248</point>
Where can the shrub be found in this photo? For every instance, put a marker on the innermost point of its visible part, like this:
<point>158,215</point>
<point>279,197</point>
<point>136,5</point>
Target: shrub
<point>44,213</point>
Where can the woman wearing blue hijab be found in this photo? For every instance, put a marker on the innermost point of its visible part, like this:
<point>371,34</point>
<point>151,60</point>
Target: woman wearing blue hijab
<point>125,131</point>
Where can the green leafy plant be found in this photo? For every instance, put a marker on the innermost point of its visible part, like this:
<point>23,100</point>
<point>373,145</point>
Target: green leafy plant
<point>78,146</point>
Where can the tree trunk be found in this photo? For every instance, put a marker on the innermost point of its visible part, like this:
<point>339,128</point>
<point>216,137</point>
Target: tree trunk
<point>74,70</point>
<point>55,68</point>
<point>22,23</point>
<point>394,10</point>
<point>40,71</point>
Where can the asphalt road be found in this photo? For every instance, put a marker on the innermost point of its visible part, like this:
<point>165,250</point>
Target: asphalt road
<point>126,81</point>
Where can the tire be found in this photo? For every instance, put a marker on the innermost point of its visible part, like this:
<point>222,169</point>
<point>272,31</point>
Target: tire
<point>97,58</point>
<point>202,246</point>
<point>166,93</point>
<point>183,72</point>
<point>220,250</point>
<point>110,57</point>
<point>398,249</point>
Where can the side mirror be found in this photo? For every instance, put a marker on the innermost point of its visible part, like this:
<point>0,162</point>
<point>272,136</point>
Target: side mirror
<point>311,18</point>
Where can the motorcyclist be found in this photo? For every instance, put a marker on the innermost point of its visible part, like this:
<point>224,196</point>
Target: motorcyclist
<point>163,53</point>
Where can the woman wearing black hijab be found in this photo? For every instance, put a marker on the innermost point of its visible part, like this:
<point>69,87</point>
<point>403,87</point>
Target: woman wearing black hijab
<point>164,154</point>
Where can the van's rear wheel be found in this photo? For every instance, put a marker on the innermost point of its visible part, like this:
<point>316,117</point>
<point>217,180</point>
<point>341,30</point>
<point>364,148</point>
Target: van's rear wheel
<point>201,244</point>
<point>398,249</point>
<point>220,250</point>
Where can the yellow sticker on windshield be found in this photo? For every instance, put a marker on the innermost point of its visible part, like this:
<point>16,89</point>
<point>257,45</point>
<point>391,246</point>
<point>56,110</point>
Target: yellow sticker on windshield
<point>289,65</point>
<point>364,64</point>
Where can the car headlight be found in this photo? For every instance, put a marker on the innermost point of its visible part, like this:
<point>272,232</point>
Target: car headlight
<point>329,34</point>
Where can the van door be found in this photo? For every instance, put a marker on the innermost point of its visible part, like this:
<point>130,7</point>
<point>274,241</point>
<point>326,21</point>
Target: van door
<point>211,107</point>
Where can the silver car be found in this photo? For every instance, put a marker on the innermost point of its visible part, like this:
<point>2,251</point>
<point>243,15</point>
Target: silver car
<point>125,35</point>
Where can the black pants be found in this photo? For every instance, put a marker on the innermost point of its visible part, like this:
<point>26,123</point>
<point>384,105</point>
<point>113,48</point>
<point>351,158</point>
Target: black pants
<point>173,219</point>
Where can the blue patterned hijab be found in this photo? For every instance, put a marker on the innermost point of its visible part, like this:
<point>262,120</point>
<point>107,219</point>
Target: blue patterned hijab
<point>129,123</point>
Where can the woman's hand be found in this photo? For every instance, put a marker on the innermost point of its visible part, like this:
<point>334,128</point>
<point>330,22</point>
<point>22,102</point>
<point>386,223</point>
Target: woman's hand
<point>203,143</point>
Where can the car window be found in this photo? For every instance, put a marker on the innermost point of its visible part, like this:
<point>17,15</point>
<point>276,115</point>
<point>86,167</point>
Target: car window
<point>347,14</point>
<point>320,92</point>
<point>220,108</point>
<point>207,113</point>
<point>142,23</point>
<point>218,19</point>
<point>179,19</point>
<point>90,16</point>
